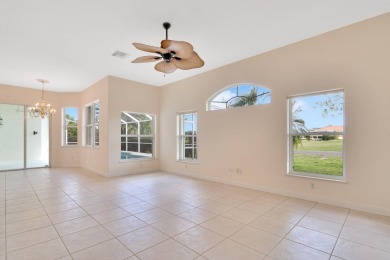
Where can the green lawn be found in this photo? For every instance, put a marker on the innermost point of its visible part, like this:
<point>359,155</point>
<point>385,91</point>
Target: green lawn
<point>331,165</point>
<point>332,145</point>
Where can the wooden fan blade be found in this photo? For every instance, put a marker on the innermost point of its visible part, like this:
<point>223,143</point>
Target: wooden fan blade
<point>146,59</point>
<point>148,48</point>
<point>165,67</point>
<point>182,49</point>
<point>185,64</point>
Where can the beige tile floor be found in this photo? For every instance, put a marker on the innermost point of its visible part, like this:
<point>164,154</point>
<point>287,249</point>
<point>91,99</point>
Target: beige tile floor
<point>75,214</point>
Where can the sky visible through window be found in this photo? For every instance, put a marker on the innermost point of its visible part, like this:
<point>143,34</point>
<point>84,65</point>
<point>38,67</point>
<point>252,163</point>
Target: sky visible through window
<point>188,126</point>
<point>72,111</point>
<point>316,113</point>
<point>239,90</point>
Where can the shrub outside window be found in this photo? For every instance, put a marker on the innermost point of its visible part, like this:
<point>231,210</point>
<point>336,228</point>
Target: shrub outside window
<point>70,122</point>
<point>316,135</point>
<point>92,120</point>
<point>137,135</point>
<point>238,96</point>
<point>187,136</point>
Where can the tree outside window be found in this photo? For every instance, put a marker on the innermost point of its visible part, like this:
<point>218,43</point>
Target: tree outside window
<point>316,135</point>
<point>70,123</point>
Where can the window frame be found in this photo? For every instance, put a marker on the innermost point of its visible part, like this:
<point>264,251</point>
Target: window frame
<point>238,85</point>
<point>290,145</point>
<point>139,136</point>
<point>91,123</point>
<point>65,128</point>
<point>180,147</point>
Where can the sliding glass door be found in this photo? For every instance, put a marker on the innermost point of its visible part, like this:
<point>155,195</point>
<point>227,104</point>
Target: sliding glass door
<point>37,142</point>
<point>24,141</point>
<point>11,137</point>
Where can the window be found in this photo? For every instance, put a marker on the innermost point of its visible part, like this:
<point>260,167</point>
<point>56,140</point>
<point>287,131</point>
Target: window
<point>186,133</point>
<point>70,122</point>
<point>137,135</point>
<point>316,135</point>
<point>239,96</point>
<point>92,115</point>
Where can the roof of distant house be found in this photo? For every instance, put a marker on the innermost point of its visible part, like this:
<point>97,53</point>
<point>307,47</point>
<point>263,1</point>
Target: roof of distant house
<point>330,128</point>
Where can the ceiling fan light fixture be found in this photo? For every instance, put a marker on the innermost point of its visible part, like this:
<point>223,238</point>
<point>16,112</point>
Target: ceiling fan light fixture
<point>175,54</point>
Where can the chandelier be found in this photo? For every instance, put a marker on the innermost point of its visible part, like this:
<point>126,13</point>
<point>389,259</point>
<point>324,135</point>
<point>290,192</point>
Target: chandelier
<point>41,109</point>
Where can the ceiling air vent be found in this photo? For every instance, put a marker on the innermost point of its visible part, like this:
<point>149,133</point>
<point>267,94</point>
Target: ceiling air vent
<point>120,54</point>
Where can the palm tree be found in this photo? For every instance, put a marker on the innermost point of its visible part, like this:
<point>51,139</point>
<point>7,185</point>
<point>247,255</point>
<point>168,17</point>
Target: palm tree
<point>298,125</point>
<point>246,100</point>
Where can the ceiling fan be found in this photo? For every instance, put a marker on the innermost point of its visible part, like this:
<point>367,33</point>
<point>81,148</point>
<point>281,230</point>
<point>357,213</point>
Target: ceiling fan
<point>174,54</point>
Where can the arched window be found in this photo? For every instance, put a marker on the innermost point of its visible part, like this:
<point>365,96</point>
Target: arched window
<point>239,95</point>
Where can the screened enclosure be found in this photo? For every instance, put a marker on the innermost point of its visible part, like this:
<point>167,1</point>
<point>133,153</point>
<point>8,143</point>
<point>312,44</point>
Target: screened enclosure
<point>137,135</point>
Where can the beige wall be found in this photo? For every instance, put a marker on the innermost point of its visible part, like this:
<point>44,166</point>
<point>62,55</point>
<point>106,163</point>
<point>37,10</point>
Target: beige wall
<point>65,156</point>
<point>355,58</point>
<point>96,158</point>
<point>116,95</point>
<point>125,95</point>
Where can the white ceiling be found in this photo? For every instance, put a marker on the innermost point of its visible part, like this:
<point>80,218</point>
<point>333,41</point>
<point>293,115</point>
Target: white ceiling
<point>70,42</point>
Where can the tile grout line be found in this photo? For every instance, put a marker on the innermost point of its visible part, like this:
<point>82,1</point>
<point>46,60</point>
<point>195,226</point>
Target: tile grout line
<point>102,225</point>
<point>226,237</point>
<point>338,237</point>
<point>171,237</point>
<point>83,229</point>
<point>160,206</point>
<point>248,225</point>
<point>330,254</point>
<point>50,220</point>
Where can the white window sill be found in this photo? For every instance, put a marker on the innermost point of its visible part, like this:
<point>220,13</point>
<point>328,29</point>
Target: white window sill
<point>91,147</point>
<point>322,177</point>
<point>188,161</point>
<point>137,160</point>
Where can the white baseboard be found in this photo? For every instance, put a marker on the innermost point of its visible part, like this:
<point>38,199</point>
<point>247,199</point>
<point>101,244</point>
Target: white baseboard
<point>320,199</point>
<point>95,171</point>
<point>66,165</point>
<point>143,170</point>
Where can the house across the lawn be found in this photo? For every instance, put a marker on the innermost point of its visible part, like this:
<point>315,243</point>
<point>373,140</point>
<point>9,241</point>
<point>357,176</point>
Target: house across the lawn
<point>328,129</point>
